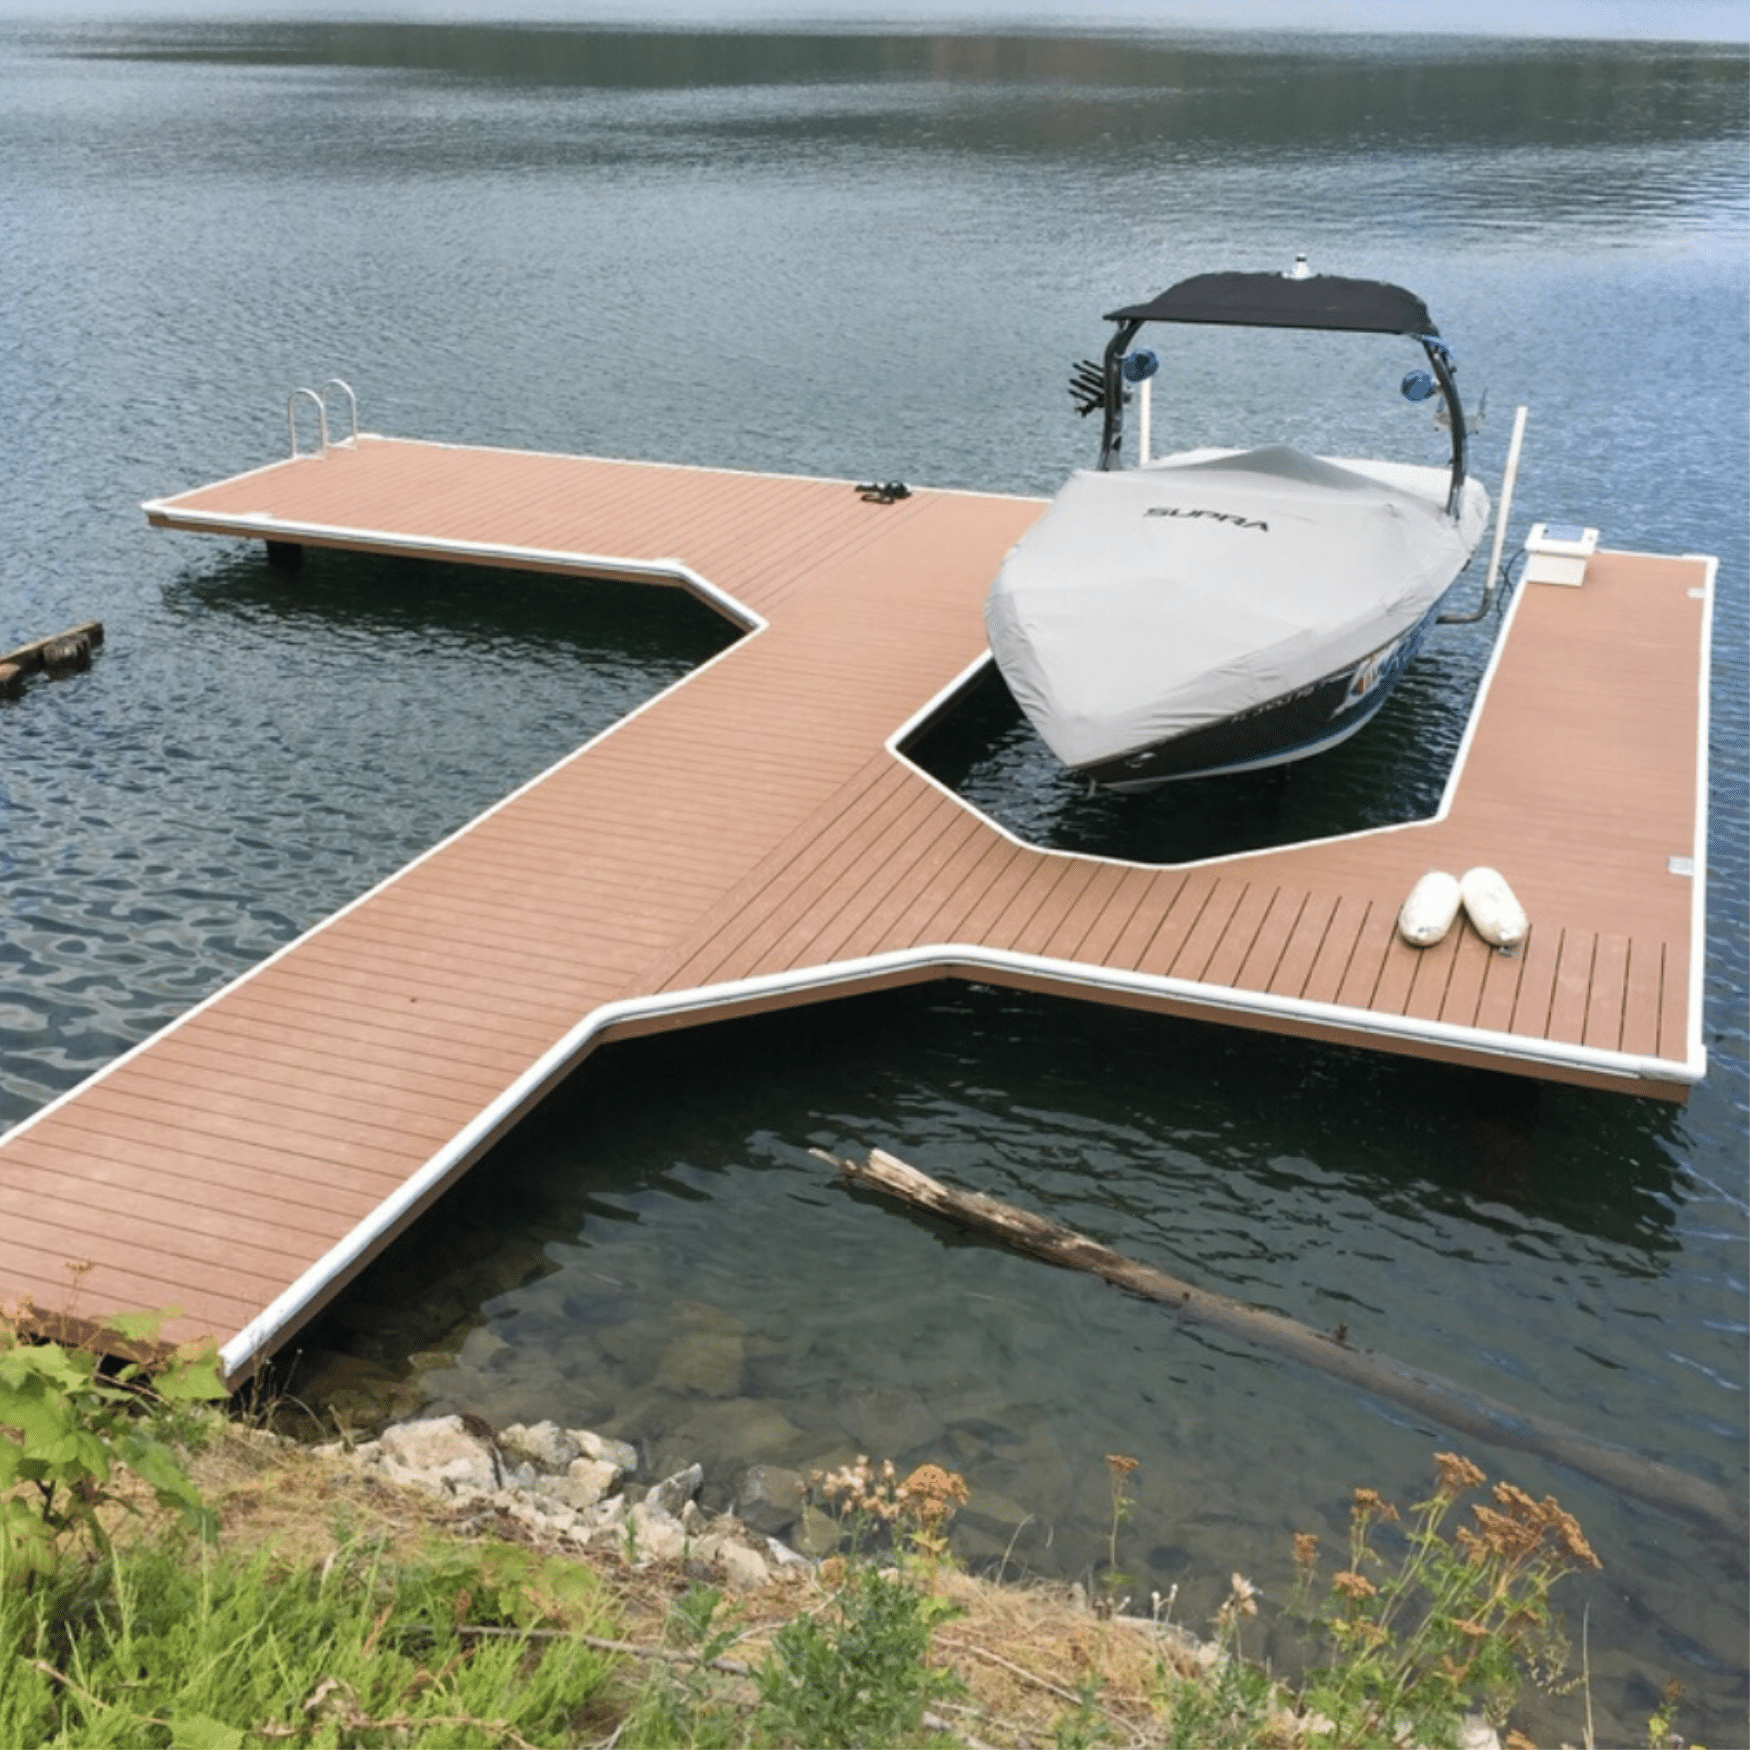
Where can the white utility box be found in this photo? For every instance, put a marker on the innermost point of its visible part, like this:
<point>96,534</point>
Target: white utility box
<point>1557,553</point>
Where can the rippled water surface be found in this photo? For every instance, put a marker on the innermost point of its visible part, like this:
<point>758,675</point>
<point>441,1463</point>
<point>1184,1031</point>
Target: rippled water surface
<point>876,257</point>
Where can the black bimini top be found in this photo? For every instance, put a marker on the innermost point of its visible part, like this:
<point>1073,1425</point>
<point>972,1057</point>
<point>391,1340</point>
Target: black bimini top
<point>1275,300</point>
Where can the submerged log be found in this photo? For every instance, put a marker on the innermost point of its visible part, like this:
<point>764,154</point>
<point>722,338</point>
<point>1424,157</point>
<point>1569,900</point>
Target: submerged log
<point>1453,1406</point>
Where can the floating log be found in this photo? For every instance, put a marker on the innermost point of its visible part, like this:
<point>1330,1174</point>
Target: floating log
<point>1454,1406</point>
<point>64,653</point>
<point>67,654</point>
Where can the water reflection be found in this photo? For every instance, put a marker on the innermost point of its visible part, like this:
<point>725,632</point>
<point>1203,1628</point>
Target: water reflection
<point>1394,770</point>
<point>1586,124</point>
<point>664,1207</point>
<point>505,615</point>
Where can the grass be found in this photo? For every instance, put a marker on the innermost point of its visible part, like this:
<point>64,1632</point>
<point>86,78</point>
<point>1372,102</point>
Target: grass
<point>168,1644</point>
<point>335,1609</point>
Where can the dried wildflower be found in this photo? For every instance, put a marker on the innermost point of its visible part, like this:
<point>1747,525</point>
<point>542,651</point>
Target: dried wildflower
<point>1370,1504</point>
<point>1353,1585</point>
<point>1306,1551</point>
<point>1362,1630</point>
<point>932,1493</point>
<point>1515,1500</point>
<point>1456,1474</point>
<point>1120,1465</point>
<point>1569,1536</point>
<point>1476,1630</point>
<point>1517,1740</point>
<point>1241,1600</point>
<point>1505,1537</point>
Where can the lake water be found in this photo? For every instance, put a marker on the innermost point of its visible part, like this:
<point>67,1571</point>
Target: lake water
<point>876,256</point>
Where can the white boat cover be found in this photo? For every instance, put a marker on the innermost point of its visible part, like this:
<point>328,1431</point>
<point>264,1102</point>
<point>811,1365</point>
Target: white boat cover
<point>1154,600</point>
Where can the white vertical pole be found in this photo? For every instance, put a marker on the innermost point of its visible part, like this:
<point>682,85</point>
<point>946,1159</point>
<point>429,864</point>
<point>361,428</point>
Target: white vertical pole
<point>1144,410</point>
<point>1508,475</point>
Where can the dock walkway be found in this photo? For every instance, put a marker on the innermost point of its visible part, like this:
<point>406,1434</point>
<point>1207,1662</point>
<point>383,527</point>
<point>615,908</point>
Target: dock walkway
<point>753,838</point>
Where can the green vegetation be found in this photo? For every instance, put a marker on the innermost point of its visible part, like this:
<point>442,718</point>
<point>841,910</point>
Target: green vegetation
<point>1416,1634</point>
<point>168,1579</point>
<point>69,1424</point>
<point>171,1646</point>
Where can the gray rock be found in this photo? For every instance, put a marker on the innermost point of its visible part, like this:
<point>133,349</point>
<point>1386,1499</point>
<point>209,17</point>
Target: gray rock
<point>603,1474</point>
<point>771,1498</point>
<point>440,1454</point>
<point>585,1482</point>
<point>673,1493</point>
<point>754,1429</point>
<point>619,1453</point>
<point>655,1536</point>
<point>353,1392</point>
<point>708,1362</point>
<point>888,1420</point>
<point>609,1517</point>
<point>816,1533</point>
<point>546,1445</point>
<point>723,1552</point>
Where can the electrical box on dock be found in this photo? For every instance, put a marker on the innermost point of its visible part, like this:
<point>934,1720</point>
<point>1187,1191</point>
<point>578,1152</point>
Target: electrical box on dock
<point>1557,553</point>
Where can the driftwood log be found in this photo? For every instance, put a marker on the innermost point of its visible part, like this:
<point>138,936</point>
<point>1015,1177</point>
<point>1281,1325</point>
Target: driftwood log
<point>63,654</point>
<point>1453,1406</point>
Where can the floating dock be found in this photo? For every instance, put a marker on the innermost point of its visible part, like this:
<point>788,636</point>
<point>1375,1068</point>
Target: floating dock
<point>754,837</point>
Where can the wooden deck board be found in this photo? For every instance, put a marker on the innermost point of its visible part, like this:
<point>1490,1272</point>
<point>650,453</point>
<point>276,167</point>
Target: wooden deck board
<point>748,838</point>
<point>1279,926</point>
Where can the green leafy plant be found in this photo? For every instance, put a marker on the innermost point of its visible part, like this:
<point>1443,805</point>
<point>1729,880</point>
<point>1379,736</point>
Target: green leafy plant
<point>1084,1726</point>
<point>153,1648</point>
<point>1440,1624</point>
<point>1223,1701</point>
<point>858,1673</point>
<point>686,1700</point>
<point>1118,1468</point>
<point>67,1424</point>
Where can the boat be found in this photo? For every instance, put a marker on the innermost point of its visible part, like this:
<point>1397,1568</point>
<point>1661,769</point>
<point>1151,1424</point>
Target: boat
<point>1218,610</point>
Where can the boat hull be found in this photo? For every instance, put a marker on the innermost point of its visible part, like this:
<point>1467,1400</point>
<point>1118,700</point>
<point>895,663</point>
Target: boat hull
<point>1294,726</point>
<point>1221,611</point>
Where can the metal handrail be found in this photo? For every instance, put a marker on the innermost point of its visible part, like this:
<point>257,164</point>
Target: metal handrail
<point>292,420</point>
<point>320,397</point>
<point>352,402</point>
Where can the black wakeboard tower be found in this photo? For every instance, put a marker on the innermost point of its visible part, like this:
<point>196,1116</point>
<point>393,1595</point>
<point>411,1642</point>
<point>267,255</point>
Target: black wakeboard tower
<point>1296,299</point>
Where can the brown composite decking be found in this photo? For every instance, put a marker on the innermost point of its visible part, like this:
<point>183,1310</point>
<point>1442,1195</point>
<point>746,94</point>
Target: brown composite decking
<point>751,838</point>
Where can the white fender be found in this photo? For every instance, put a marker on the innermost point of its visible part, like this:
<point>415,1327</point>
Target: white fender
<point>1427,914</point>
<point>1497,916</point>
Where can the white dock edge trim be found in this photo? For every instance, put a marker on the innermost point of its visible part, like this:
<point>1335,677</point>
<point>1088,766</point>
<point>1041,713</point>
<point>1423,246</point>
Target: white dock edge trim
<point>935,960</point>
<point>755,623</point>
<point>895,745</point>
<point>263,525</point>
<point>1697,1049</point>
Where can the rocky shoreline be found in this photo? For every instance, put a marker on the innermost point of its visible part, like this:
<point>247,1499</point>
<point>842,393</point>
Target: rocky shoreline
<point>573,1489</point>
<point>577,1489</point>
